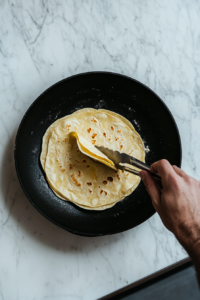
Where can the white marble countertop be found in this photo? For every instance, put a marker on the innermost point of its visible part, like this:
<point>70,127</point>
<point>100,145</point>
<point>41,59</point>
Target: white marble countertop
<point>42,42</point>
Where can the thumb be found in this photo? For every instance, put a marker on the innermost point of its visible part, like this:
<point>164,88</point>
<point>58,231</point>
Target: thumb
<point>152,188</point>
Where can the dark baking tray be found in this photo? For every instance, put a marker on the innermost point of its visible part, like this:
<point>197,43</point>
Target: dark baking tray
<point>176,281</point>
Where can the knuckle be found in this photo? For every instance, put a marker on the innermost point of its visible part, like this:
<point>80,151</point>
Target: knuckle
<point>172,177</point>
<point>176,184</point>
<point>173,180</point>
<point>190,180</point>
<point>164,162</point>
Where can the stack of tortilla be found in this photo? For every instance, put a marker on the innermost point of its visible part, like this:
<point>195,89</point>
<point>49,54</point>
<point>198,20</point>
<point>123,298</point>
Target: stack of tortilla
<point>77,171</point>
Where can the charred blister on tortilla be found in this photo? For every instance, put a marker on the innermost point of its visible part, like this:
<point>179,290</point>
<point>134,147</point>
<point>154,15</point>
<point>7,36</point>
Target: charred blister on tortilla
<point>103,193</point>
<point>93,135</point>
<point>77,183</point>
<point>65,140</point>
<point>94,120</point>
<point>89,130</point>
<point>68,127</point>
<point>109,179</point>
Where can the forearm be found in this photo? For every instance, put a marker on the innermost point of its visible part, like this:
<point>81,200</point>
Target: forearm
<point>193,250</point>
<point>178,206</point>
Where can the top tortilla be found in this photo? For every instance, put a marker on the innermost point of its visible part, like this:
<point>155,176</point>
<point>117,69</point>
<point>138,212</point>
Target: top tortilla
<point>77,171</point>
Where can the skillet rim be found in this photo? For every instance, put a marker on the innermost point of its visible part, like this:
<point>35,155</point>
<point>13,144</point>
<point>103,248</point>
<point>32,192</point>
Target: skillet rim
<point>38,98</point>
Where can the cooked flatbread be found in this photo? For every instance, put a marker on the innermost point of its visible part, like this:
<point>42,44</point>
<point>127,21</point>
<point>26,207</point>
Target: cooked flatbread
<point>79,172</point>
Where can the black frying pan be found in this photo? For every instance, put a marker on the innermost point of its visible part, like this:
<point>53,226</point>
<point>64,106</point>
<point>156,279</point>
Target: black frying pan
<point>115,92</point>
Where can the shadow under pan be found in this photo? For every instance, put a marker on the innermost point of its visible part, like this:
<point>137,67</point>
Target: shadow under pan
<point>123,95</point>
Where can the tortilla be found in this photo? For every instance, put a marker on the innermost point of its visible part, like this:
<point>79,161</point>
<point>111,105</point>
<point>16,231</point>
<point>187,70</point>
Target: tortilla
<point>77,171</point>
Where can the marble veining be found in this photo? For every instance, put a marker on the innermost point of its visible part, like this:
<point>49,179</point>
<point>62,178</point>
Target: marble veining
<point>42,42</point>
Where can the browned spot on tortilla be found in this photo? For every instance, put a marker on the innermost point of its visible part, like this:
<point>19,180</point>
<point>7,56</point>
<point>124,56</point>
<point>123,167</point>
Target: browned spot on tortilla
<point>105,193</point>
<point>127,174</point>
<point>77,161</point>
<point>121,146</point>
<point>87,166</point>
<point>90,191</point>
<point>118,130</point>
<point>89,129</point>
<point>109,139</point>
<point>65,140</point>
<point>104,182</point>
<point>101,191</point>
<point>104,134</point>
<point>75,127</point>
<point>84,161</point>
<point>118,177</point>
<point>93,142</point>
<point>122,171</point>
<point>93,136</point>
<point>79,173</point>
<point>112,128</point>
<point>131,152</point>
<point>89,183</point>
<point>58,141</point>
<point>56,160</point>
<point>70,166</point>
<point>110,179</point>
<point>67,126</point>
<point>70,158</point>
<point>116,138</point>
<point>75,180</point>
<point>99,186</point>
<point>62,170</point>
<point>93,120</point>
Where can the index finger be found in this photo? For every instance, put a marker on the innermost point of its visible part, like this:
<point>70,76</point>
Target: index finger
<point>163,167</point>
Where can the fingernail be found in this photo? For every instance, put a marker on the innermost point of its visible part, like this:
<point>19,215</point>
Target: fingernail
<point>142,175</point>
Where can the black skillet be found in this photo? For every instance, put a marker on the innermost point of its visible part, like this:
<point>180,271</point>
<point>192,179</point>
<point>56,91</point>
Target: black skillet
<point>121,94</point>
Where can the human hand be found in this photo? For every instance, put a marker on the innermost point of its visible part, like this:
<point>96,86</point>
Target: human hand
<point>178,204</point>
